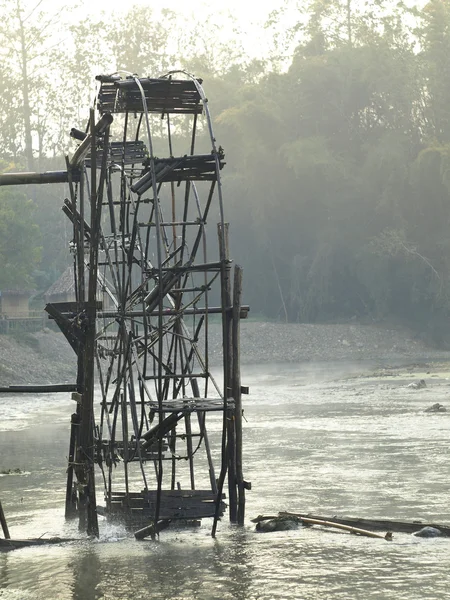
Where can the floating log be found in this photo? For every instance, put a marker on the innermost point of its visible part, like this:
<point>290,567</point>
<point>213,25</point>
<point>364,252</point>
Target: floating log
<point>284,516</point>
<point>8,545</point>
<point>376,524</point>
<point>151,530</point>
<point>350,529</point>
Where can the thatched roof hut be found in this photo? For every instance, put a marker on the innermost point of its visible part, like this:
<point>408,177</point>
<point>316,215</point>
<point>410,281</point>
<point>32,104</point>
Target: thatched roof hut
<point>63,289</point>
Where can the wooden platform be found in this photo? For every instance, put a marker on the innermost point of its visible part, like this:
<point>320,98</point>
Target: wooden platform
<point>175,504</point>
<point>122,153</point>
<point>184,168</point>
<point>190,405</point>
<point>161,95</point>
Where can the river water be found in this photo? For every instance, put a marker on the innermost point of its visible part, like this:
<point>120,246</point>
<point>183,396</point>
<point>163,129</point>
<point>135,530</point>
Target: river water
<point>331,439</point>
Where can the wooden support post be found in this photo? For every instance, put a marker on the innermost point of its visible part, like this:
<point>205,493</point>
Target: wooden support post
<point>231,456</point>
<point>80,243</point>
<point>229,360</point>
<point>236,391</point>
<point>4,525</point>
<point>190,449</point>
<point>228,437</point>
<point>85,450</point>
<point>71,507</point>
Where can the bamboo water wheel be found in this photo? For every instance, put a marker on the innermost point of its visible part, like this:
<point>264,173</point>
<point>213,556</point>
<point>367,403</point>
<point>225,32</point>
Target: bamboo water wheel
<point>152,273</point>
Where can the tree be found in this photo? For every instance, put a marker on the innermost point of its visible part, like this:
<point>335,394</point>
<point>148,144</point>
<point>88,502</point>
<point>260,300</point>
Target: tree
<point>434,35</point>
<point>29,46</point>
<point>139,41</point>
<point>19,240</point>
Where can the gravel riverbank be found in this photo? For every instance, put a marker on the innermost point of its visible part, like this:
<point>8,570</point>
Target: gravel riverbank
<point>46,357</point>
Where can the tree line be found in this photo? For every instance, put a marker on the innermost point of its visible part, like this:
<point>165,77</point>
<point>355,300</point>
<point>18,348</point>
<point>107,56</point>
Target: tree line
<point>337,143</point>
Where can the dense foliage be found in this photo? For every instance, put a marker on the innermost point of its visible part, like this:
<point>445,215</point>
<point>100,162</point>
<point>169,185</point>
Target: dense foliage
<point>337,143</point>
<point>19,240</point>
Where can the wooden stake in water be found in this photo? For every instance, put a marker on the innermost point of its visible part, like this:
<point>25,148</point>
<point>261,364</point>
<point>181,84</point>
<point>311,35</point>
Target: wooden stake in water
<point>4,525</point>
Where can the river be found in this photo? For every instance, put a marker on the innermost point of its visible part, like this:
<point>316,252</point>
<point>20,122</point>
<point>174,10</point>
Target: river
<point>326,438</point>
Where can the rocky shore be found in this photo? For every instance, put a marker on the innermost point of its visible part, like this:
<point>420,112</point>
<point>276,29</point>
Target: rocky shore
<point>39,358</point>
<point>275,342</point>
<point>46,357</point>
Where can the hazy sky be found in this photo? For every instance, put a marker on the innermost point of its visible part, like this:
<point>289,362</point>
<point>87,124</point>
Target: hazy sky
<point>242,9</point>
<point>250,16</point>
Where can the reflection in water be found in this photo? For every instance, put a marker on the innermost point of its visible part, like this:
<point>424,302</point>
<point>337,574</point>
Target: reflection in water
<point>87,575</point>
<point>359,446</point>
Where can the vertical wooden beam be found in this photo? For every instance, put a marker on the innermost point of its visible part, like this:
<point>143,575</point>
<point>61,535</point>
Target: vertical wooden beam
<point>228,381</point>
<point>228,436</point>
<point>190,449</point>
<point>71,507</point>
<point>85,454</point>
<point>236,389</point>
<point>81,241</point>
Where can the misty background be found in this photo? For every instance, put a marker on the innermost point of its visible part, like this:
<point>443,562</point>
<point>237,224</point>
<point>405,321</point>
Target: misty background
<point>334,119</point>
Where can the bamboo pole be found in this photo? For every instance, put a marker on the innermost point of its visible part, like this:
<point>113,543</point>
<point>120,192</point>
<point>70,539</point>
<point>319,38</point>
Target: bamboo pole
<point>78,345</point>
<point>35,178</point>
<point>228,377</point>
<point>190,449</point>
<point>324,523</point>
<point>86,473</point>
<point>236,391</point>
<point>71,508</point>
<point>228,445</point>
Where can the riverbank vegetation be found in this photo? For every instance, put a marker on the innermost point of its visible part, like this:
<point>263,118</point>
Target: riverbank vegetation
<point>337,142</point>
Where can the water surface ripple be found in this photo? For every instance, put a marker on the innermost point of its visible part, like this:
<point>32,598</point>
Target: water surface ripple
<point>318,438</point>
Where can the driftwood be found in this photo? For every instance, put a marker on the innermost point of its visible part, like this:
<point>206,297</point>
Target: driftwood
<point>373,524</point>
<point>350,529</point>
<point>8,545</point>
<point>152,530</point>
<point>316,521</point>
